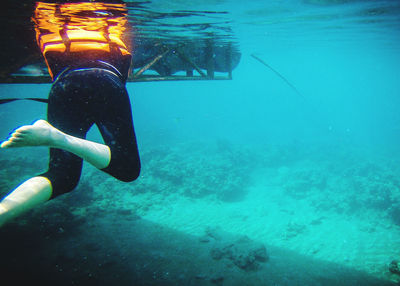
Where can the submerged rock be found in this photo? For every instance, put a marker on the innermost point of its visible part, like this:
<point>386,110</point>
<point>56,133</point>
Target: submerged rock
<point>394,267</point>
<point>242,251</point>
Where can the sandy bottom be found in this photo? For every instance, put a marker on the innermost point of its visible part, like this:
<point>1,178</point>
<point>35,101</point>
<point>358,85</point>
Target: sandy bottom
<point>367,243</point>
<point>341,211</point>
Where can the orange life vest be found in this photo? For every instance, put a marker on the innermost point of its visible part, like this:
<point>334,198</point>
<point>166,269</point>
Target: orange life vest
<point>84,28</point>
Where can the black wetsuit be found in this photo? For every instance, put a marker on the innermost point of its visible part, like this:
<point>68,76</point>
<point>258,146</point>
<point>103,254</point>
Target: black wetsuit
<point>92,93</point>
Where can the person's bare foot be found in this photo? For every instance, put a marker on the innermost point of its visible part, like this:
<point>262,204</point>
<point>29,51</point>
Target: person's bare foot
<point>40,133</point>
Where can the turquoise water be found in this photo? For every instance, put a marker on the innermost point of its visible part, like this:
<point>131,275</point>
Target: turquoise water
<point>312,177</point>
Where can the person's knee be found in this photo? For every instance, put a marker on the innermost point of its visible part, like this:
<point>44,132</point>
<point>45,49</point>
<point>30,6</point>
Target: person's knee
<point>64,188</point>
<point>126,171</point>
<point>61,183</point>
<point>130,173</point>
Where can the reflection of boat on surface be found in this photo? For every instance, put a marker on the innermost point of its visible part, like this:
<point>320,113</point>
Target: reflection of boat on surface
<point>190,60</point>
<point>153,57</point>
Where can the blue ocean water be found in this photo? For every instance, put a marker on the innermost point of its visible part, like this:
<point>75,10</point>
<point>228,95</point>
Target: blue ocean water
<point>247,156</point>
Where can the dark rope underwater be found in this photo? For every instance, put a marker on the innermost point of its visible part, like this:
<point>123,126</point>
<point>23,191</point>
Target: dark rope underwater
<point>278,74</point>
<point>7,100</point>
<point>317,117</point>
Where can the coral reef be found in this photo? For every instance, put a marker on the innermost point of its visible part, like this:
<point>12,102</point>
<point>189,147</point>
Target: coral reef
<point>293,229</point>
<point>349,183</point>
<point>197,170</point>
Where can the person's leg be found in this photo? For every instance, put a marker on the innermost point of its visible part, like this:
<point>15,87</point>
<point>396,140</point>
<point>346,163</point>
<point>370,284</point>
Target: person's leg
<point>117,129</point>
<point>66,111</point>
<point>25,197</point>
<point>41,133</point>
<point>39,189</point>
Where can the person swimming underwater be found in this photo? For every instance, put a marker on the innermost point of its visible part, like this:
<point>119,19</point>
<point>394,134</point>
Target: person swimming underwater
<point>87,54</point>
